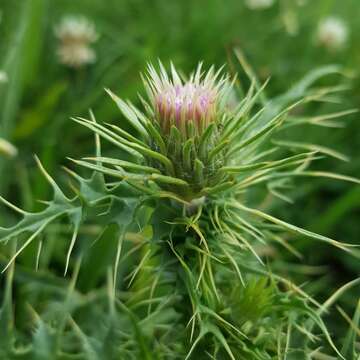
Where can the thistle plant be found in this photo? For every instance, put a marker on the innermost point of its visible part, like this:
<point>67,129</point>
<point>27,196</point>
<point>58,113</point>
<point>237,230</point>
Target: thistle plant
<point>189,276</point>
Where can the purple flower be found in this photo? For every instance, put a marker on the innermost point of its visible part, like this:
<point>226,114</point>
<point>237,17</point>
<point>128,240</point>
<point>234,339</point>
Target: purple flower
<point>176,102</point>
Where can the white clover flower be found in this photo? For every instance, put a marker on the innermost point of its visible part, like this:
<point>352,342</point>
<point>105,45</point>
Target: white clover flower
<point>76,34</point>
<point>259,4</point>
<point>3,77</point>
<point>332,33</point>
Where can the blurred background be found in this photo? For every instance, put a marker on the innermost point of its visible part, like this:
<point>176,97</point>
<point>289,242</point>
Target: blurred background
<point>56,58</point>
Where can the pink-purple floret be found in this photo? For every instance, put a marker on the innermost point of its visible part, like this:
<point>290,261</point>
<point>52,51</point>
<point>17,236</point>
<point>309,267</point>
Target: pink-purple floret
<point>187,102</point>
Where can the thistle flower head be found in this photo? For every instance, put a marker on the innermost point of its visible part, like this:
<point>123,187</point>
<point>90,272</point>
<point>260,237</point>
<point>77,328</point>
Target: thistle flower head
<point>197,100</point>
<point>332,33</point>
<point>75,35</point>
<point>186,117</point>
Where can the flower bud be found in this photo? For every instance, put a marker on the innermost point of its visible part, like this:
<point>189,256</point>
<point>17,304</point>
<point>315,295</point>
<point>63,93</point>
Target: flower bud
<point>187,115</point>
<point>178,103</point>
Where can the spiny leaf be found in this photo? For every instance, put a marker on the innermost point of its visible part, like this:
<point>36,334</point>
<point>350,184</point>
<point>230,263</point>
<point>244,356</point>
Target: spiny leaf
<point>108,137</point>
<point>312,147</point>
<point>323,174</point>
<point>349,346</point>
<point>267,164</point>
<point>124,164</point>
<point>293,228</point>
<point>128,113</point>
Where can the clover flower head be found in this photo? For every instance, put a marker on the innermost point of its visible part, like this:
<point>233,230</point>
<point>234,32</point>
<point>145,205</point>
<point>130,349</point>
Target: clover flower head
<point>332,33</point>
<point>76,34</point>
<point>259,4</point>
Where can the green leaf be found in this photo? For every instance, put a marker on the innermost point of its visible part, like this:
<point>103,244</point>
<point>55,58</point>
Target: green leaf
<point>43,341</point>
<point>312,147</point>
<point>349,347</point>
<point>293,228</point>
<point>129,114</point>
